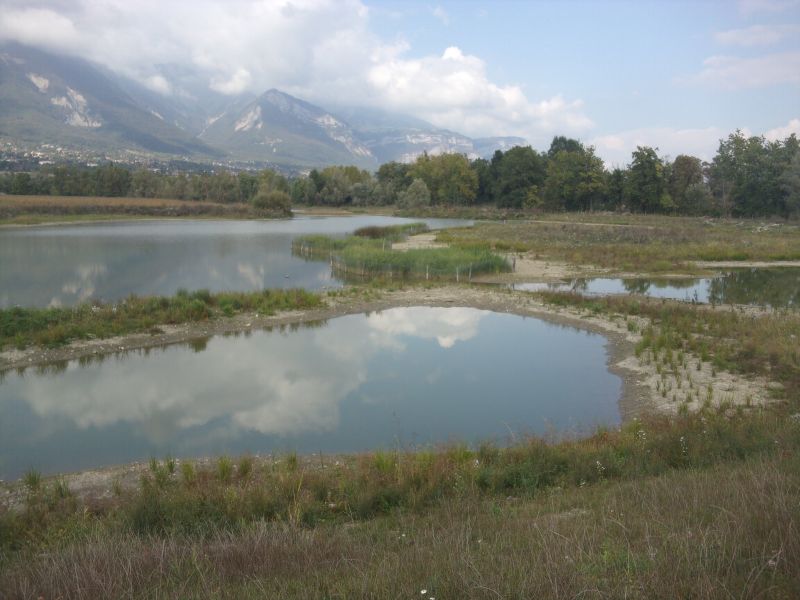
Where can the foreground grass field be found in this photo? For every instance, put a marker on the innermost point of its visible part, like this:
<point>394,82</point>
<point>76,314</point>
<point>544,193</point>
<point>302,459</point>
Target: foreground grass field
<point>703,506</point>
<point>633,243</point>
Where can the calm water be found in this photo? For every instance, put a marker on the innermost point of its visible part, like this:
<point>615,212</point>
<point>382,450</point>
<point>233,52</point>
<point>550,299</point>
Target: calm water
<point>402,377</point>
<point>776,288</point>
<point>64,265</point>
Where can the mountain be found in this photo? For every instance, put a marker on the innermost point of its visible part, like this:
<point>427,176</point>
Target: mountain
<point>392,136</point>
<point>286,130</point>
<point>67,101</point>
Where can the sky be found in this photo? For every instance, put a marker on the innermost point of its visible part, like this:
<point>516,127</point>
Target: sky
<point>674,75</point>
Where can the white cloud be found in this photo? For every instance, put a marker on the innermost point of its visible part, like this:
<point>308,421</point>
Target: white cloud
<point>320,50</point>
<point>39,27</point>
<point>784,131</point>
<point>615,149</point>
<point>275,392</point>
<point>733,72</point>
<point>454,91</point>
<point>757,35</point>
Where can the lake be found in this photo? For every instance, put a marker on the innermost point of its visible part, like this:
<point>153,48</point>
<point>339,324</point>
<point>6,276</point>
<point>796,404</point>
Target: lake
<point>773,287</point>
<point>400,378</point>
<point>68,264</point>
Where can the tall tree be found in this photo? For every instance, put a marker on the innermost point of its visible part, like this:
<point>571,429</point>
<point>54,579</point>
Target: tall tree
<point>686,171</point>
<point>513,173</point>
<point>575,180</point>
<point>646,185</point>
<point>448,177</point>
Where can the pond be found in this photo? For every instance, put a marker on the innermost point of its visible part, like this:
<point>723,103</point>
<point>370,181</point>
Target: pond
<point>774,287</point>
<point>68,264</point>
<point>400,378</point>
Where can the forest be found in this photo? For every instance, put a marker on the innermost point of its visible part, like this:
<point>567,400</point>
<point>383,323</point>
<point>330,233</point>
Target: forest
<point>748,177</point>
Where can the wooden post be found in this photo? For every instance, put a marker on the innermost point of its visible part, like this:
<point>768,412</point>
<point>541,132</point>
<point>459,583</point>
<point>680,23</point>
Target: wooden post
<point>456,274</point>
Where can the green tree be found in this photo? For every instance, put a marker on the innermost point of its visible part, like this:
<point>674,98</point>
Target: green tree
<point>646,184</point>
<point>393,177</point>
<point>417,195</point>
<point>790,184</point>
<point>576,180</point>
<point>513,173</point>
<point>686,171</point>
<point>563,144</point>
<point>449,178</point>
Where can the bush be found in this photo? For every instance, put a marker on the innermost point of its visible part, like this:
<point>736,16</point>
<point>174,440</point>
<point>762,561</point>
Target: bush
<point>274,201</point>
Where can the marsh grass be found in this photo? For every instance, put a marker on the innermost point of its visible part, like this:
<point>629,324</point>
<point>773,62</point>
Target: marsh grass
<point>749,342</point>
<point>368,257</point>
<point>632,243</point>
<point>21,327</point>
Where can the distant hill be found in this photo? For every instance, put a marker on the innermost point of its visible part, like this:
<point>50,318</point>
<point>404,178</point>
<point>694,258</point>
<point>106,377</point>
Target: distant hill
<point>286,130</point>
<point>69,102</point>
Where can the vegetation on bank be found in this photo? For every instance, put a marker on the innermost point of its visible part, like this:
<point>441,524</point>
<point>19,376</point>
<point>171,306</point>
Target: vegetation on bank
<point>740,341</point>
<point>368,253</point>
<point>250,525</point>
<point>19,208</point>
<point>21,327</point>
<point>633,243</point>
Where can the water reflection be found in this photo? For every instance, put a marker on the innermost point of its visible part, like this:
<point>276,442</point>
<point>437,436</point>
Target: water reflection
<point>65,265</point>
<point>775,288</point>
<point>407,376</point>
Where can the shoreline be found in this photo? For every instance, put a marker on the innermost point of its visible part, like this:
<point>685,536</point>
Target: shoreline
<point>639,394</point>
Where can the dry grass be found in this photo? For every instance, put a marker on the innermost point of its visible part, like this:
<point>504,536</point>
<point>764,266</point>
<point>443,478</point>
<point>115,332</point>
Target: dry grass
<point>19,208</point>
<point>730,531</point>
<point>634,243</point>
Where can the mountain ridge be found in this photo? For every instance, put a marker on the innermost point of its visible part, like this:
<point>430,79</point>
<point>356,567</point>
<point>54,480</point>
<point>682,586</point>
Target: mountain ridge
<point>70,102</point>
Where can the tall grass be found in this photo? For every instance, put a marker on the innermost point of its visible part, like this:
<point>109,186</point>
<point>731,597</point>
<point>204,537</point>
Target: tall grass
<point>612,511</point>
<point>50,327</point>
<point>368,257</point>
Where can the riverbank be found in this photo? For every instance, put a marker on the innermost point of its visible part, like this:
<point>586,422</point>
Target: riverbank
<point>642,378</point>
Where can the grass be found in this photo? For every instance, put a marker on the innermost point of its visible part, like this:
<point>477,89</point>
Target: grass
<point>50,327</point>
<point>33,209</point>
<point>633,243</point>
<point>370,256</point>
<point>391,233</point>
<point>748,342</point>
<point>711,497</point>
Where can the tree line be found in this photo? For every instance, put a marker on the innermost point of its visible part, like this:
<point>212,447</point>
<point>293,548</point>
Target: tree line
<point>265,189</point>
<point>748,176</point>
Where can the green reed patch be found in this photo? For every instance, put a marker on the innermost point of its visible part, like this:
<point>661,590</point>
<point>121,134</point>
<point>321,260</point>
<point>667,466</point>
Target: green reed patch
<point>21,327</point>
